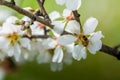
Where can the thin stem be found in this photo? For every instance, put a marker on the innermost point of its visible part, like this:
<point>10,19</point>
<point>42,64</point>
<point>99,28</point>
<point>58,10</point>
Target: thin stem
<point>37,36</point>
<point>43,11</point>
<point>77,18</point>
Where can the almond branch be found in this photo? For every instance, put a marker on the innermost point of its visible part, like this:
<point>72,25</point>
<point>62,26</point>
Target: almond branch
<point>106,49</point>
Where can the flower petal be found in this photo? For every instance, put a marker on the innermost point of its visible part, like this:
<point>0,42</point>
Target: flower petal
<point>14,51</point>
<point>49,43</point>
<point>73,4</point>
<point>43,58</point>
<point>68,58</point>
<point>58,26</point>
<point>56,66</point>
<point>9,29</point>
<point>66,13</point>
<point>96,36</point>
<point>69,48</point>
<point>90,25</point>
<point>2,73</point>
<point>94,46</point>
<point>17,52</point>
<point>58,55</point>
<point>54,15</point>
<point>79,52</point>
<point>25,43</point>
<point>27,19</point>
<point>60,2</point>
<point>95,43</point>
<point>66,39</point>
<point>73,27</point>
<point>4,14</point>
<point>11,19</point>
<point>4,42</point>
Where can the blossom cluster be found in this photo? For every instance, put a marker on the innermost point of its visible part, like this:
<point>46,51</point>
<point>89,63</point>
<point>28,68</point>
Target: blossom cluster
<point>16,37</point>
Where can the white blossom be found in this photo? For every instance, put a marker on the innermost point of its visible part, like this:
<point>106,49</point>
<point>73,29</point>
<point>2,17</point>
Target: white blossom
<point>60,25</point>
<point>86,38</point>
<point>4,14</point>
<point>70,4</point>
<point>10,38</point>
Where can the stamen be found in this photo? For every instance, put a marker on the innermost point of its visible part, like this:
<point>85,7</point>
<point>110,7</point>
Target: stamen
<point>70,17</point>
<point>40,25</point>
<point>13,38</point>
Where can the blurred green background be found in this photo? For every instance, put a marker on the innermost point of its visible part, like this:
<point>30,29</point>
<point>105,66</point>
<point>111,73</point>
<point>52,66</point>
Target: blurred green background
<point>96,67</point>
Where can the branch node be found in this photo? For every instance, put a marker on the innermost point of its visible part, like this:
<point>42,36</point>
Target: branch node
<point>12,2</point>
<point>33,18</point>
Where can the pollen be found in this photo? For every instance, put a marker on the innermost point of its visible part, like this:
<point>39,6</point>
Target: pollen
<point>70,17</point>
<point>14,38</point>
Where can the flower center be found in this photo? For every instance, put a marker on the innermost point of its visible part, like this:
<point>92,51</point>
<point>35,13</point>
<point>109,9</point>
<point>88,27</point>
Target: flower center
<point>40,25</point>
<point>83,39</point>
<point>14,37</point>
<point>70,17</point>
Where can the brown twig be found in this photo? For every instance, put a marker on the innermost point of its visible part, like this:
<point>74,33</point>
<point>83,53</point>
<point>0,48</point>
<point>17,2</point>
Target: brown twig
<point>77,16</point>
<point>12,2</point>
<point>24,12</point>
<point>111,51</point>
<point>36,36</point>
<point>117,47</point>
<point>44,13</point>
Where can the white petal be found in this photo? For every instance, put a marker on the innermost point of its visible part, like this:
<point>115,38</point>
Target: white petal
<point>17,52</point>
<point>56,66</point>
<point>73,4</point>
<point>14,51</point>
<point>25,43</point>
<point>10,52</point>
<point>66,39</point>
<point>58,26</point>
<point>55,34</point>
<point>36,30</point>
<point>3,42</point>
<point>27,19</point>
<point>26,56</point>
<point>58,55</point>
<point>9,29</point>
<point>11,19</point>
<point>4,14</point>
<point>90,25</point>
<point>67,58</point>
<point>94,46</point>
<point>2,74</point>
<point>96,36</point>
<point>54,15</point>
<point>60,2</point>
<point>2,55</point>
<point>73,27</point>
<point>69,48</point>
<point>43,58</point>
<point>79,52</point>
<point>49,43</point>
<point>95,43</point>
<point>66,13</point>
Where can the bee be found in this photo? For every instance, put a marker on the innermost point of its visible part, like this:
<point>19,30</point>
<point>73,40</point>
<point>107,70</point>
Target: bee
<point>85,40</point>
